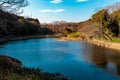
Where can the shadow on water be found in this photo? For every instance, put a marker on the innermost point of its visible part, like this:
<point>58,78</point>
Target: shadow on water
<point>1,46</point>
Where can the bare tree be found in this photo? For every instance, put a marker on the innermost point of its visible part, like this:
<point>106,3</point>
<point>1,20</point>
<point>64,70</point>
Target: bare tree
<point>114,7</point>
<point>13,6</point>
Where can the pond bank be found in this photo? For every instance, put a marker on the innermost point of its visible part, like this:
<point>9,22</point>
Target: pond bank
<point>69,39</point>
<point>8,39</point>
<point>12,69</point>
<point>107,44</point>
<point>102,43</point>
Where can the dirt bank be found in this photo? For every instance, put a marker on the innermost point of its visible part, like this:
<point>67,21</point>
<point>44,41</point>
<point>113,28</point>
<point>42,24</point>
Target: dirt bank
<point>69,39</point>
<point>107,44</point>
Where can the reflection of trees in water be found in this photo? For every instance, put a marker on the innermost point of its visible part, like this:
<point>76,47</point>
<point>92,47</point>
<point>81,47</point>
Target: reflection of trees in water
<point>117,63</point>
<point>107,59</point>
<point>102,56</point>
<point>99,57</point>
<point>86,51</point>
<point>95,55</point>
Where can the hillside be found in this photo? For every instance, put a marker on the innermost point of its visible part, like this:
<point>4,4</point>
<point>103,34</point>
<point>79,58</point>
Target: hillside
<point>13,25</point>
<point>104,24</point>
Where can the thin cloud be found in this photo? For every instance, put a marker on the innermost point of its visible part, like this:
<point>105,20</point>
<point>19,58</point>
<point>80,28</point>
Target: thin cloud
<point>59,10</point>
<point>81,0</point>
<point>56,1</point>
<point>51,10</point>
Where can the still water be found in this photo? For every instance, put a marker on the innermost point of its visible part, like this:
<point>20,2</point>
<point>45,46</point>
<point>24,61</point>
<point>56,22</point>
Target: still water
<point>75,60</point>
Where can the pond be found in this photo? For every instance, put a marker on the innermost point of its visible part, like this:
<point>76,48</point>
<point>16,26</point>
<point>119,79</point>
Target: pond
<point>75,60</point>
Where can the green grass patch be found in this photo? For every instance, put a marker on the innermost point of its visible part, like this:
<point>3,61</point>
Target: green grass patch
<point>74,35</point>
<point>116,39</point>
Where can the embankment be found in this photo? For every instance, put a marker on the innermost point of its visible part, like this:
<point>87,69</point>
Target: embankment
<point>12,69</point>
<point>69,39</point>
<point>107,44</point>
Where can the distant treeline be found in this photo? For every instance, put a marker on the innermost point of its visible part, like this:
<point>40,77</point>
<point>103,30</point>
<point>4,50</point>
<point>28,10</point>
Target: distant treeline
<point>61,27</point>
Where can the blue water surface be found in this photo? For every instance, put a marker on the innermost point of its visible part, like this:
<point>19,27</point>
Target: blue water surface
<point>75,60</point>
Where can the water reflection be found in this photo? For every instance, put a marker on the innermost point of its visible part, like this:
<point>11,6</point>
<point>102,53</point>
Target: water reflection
<point>99,57</point>
<point>117,63</point>
<point>107,59</point>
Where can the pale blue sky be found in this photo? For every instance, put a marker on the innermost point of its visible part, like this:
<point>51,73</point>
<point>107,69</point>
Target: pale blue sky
<point>67,10</point>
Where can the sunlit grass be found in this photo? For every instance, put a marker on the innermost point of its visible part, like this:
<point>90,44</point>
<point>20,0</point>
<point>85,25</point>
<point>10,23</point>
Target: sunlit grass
<point>74,35</point>
<point>116,39</point>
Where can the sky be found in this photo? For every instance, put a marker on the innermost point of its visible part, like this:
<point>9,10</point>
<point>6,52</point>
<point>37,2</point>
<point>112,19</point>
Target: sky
<point>64,10</point>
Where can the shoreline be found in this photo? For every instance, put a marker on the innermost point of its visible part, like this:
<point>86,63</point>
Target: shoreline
<point>13,69</point>
<point>96,42</point>
<point>68,39</point>
<point>106,44</point>
<point>9,39</point>
<point>102,43</point>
